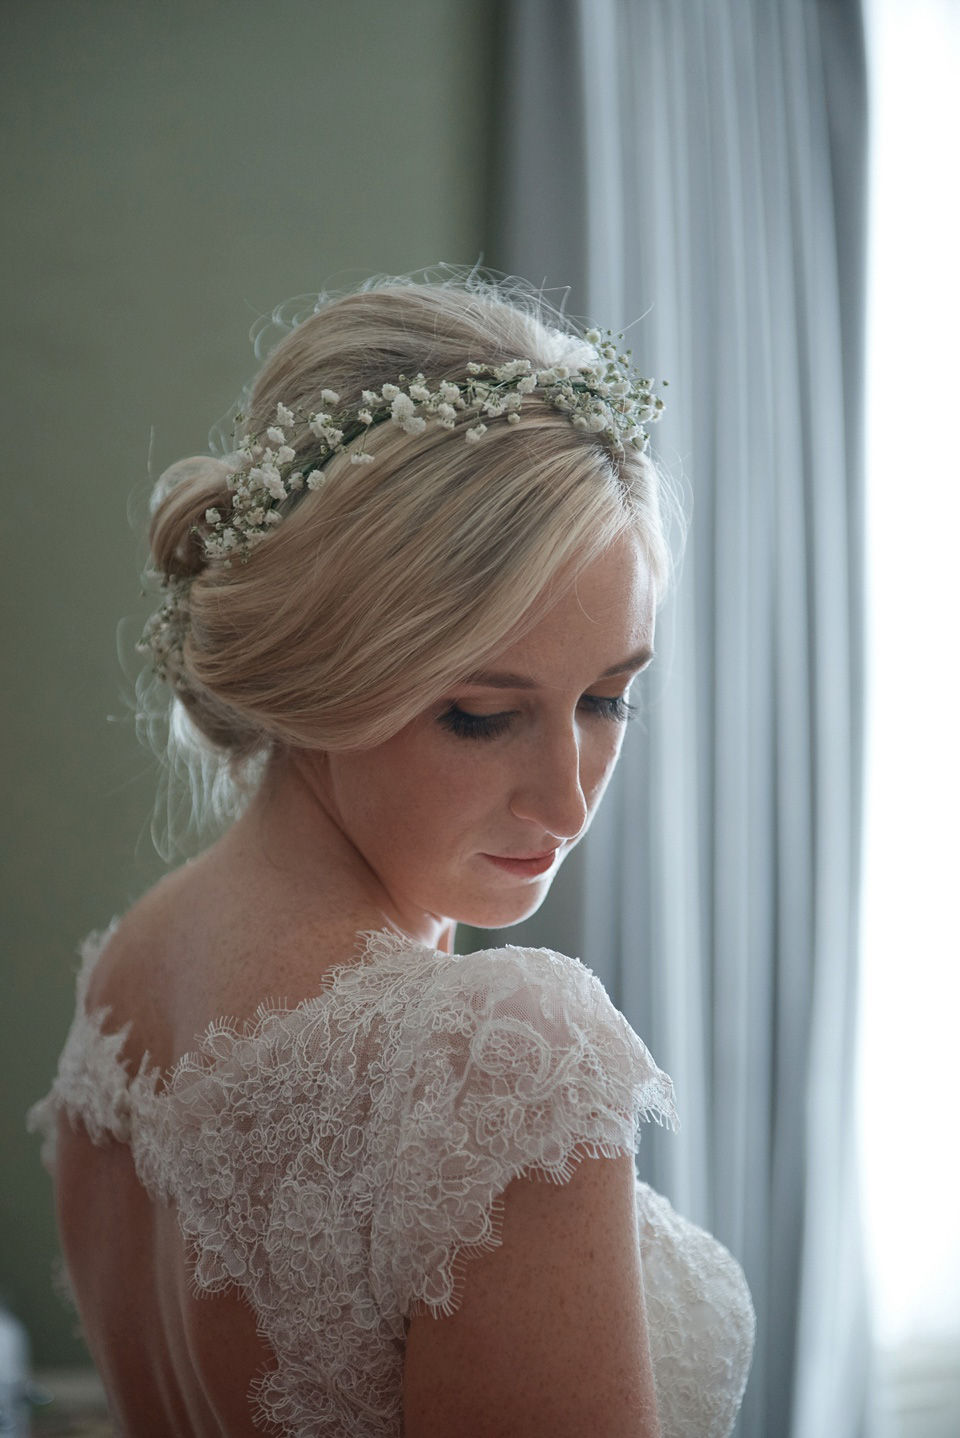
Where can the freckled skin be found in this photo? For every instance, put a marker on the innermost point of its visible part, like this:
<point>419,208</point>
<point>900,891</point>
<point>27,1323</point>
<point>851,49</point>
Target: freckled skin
<point>333,845</point>
<point>425,806</point>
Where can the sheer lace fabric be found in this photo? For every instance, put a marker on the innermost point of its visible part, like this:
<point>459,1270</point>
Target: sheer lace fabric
<point>339,1161</point>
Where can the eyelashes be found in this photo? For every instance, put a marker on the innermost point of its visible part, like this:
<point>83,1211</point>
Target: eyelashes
<point>490,726</point>
<point>618,708</point>
<point>475,726</point>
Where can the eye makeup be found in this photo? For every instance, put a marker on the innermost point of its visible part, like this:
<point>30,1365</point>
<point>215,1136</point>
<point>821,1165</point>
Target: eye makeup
<point>489,726</point>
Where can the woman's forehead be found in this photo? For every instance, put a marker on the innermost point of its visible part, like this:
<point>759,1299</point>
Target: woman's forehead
<point>602,625</point>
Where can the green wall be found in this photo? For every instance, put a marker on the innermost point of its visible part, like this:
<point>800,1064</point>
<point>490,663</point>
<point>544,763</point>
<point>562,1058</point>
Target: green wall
<point>171,171</point>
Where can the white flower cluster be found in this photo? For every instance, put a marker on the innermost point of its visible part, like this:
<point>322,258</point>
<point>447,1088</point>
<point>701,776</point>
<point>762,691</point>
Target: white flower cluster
<point>164,631</point>
<point>603,397</point>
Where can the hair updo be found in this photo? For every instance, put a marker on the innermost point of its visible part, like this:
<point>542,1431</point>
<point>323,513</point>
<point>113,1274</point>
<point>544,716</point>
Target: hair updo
<point>395,579</point>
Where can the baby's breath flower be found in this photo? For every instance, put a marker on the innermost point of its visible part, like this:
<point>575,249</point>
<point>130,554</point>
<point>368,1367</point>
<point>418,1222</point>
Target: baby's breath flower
<point>602,396</point>
<point>403,412</point>
<point>510,370</point>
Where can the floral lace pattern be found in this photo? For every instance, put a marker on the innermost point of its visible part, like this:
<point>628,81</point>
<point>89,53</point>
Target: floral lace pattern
<point>700,1320</point>
<point>339,1161</point>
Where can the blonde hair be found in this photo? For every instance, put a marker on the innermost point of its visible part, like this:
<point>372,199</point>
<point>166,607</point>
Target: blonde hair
<point>393,580</point>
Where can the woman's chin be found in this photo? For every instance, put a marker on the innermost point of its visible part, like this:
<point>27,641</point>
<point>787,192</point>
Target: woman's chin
<point>502,911</point>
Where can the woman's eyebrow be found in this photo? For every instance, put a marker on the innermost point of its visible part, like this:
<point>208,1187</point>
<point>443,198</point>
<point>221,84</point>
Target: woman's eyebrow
<point>637,661</point>
<point>501,679</point>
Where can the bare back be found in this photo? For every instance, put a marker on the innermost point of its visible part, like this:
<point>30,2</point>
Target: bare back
<point>215,941</point>
<point>211,941</point>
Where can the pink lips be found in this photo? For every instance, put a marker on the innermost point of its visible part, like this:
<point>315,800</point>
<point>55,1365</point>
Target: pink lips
<point>527,868</point>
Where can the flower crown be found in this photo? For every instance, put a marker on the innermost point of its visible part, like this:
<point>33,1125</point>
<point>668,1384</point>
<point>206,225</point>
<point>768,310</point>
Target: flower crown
<point>603,396</point>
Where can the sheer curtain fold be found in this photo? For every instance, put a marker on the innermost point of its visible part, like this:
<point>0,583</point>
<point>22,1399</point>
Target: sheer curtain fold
<point>712,205</point>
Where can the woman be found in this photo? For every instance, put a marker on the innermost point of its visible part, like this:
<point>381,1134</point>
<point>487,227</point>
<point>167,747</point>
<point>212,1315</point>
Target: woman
<point>412,600</point>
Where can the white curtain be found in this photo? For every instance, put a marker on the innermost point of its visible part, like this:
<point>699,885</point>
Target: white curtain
<point>694,170</point>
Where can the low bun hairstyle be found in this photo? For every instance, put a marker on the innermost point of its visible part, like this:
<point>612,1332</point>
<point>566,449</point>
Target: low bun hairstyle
<point>181,498</point>
<point>395,579</point>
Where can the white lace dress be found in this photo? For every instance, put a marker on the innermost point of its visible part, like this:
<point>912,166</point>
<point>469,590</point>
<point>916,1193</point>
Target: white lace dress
<point>336,1161</point>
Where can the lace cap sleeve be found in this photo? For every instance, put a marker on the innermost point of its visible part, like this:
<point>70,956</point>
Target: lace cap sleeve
<point>523,1065</point>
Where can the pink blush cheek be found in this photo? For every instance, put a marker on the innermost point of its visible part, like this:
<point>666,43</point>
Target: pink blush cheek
<point>412,820</point>
<point>423,803</point>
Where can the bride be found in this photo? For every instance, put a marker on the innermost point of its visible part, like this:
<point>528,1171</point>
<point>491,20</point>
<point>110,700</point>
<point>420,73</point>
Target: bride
<point>316,1173</point>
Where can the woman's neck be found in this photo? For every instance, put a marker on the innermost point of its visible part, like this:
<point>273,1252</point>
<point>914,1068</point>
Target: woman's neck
<point>289,827</point>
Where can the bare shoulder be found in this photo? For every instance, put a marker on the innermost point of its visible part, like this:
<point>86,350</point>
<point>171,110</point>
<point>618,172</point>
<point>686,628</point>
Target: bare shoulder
<point>203,946</point>
<point>550,1338</point>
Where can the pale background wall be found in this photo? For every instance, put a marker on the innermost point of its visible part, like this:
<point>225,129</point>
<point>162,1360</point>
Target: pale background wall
<point>171,171</point>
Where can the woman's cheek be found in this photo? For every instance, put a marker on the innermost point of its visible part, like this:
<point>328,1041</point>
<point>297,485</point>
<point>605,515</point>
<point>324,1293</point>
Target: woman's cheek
<point>603,761</point>
<point>454,773</point>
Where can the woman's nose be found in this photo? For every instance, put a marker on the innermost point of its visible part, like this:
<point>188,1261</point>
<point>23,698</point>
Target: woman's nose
<point>548,791</point>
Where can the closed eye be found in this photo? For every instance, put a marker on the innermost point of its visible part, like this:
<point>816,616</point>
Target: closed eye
<point>475,726</point>
<point>489,726</point>
<point>616,708</point>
